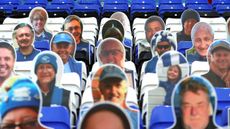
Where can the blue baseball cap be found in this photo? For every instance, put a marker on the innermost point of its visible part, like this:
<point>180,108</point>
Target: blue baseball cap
<point>112,71</point>
<point>219,44</point>
<point>46,58</point>
<point>63,37</point>
<point>22,92</point>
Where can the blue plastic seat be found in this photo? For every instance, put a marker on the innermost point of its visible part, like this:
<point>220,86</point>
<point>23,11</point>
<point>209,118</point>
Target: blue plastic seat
<point>223,10</point>
<point>42,45</point>
<point>56,117</point>
<point>223,95</point>
<point>56,10</point>
<point>87,9</point>
<point>111,6</point>
<point>182,46</point>
<point>161,117</point>
<point>220,2</point>
<point>42,3</point>
<point>143,8</point>
<point>170,8</point>
<point>24,10</point>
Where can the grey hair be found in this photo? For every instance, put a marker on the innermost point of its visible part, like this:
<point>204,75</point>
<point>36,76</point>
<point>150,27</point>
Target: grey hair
<point>201,25</point>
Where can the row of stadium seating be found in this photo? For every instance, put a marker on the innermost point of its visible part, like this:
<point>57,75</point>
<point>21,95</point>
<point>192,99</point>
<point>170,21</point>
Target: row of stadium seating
<point>96,8</point>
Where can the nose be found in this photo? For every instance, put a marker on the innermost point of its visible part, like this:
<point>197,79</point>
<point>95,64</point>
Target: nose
<point>194,111</point>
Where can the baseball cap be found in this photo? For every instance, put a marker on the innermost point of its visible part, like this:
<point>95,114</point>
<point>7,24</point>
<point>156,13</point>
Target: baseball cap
<point>63,37</point>
<point>22,92</point>
<point>219,44</point>
<point>112,71</point>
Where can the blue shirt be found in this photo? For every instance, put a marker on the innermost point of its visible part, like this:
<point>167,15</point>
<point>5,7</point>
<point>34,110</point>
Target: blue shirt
<point>30,57</point>
<point>195,57</point>
<point>151,65</point>
<point>44,36</point>
<point>168,86</point>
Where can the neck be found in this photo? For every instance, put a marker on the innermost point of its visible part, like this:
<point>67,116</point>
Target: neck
<point>38,32</point>
<point>26,51</point>
<point>44,88</point>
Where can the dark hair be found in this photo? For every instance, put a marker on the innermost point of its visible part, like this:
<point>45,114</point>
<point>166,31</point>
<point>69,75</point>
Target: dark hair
<point>194,86</point>
<point>9,47</point>
<point>153,19</point>
<point>70,18</point>
<point>110,108</point>
<point>115,33</point>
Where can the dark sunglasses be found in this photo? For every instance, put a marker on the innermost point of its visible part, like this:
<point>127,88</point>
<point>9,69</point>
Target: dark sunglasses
<point>163,46</point>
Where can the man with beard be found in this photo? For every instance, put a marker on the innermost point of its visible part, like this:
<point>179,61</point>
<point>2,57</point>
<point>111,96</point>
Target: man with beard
<point>23,35</point>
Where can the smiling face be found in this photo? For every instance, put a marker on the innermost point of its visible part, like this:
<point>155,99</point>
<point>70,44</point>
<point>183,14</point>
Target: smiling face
<point>202,40</point>
<point>38,23</point>
<point>45,73</point>
<point>63,49</point>
<point>24,37</point>
<point>162,47</point>
<point>152,28</point>
<point>173,73</point>
<point>74,27</point>
<point>6,63</point>
<point>114,90</point>
<point>221,59</point>
<point>111,52</point>
<point>195,110</point>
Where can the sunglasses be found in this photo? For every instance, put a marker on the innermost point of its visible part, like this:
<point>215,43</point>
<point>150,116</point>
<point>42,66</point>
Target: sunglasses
<point>163,46</point>
<point>31,124</point>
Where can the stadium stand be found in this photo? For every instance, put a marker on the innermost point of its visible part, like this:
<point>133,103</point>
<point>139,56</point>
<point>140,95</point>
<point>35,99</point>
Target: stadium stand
<point>94,14</point>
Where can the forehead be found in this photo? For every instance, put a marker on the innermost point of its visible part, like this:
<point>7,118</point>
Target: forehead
<point>73,23</point>
<point>47,65</point>
<point>5,50</point>
<point>163,43</point>
<point>110,45</point>
<point>221,51</point>
<point>24,29</point>
<point>154,24</point>
<point>202,29</point>
<point>192,97</point>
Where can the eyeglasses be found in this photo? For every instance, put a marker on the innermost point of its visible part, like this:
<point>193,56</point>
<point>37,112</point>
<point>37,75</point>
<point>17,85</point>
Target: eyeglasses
<point>32,124</point>
<point>70,29</point>
<point>163,46</point>
<point>114,52</point>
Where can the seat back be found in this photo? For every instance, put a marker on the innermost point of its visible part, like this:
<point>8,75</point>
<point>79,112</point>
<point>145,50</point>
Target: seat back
<point>56,117</point>
<point>161,117</point>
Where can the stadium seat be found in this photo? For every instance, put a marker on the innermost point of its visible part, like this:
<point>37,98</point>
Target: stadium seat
<point>183,46</point>
<point>87,8</point>
<point>24,10</point>
<point>199,68</point>
<point>142,8</point>
<point>170,8</point>
<point>56,117</point>
<point>155,97</point>
<point>161,117</point>
<point>41,3</point>
<point>42,45</point>
<point>72,82</point>
<point>223,10</point>
<point>7,8</point>
<point>58,10</point>
<point>23,68</point>
<point>111,6</point>
<point>223,95</point>
<point>220,2</point>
